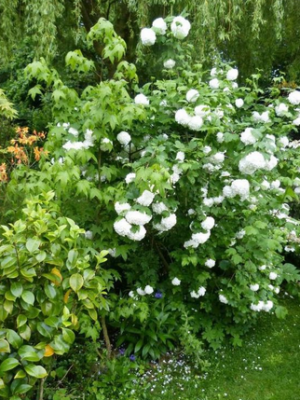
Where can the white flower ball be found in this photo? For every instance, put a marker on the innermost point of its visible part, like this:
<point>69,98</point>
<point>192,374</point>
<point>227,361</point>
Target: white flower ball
<point>273,276</point>
<point>220,137</point>
<point>148,37</point>
<point>247,137</point>
<point>202,110</point>
<point>141,292</point>
<point>130,177</point>
<point>176,282</point>
<point>141,99</point>
<point>232,74</point>
<point>254,287</point>
<point>169,64</point>
<point>201,291</point>
<point>208,223</point>
<point>192,95</point>
<point>124,138</point>
<point>146,198</point>
<point>180,156</point>
<point>159,208</point>
<point>137,235</point>
<point>210,263</point>
<point>137,217</point>
<point>120,207</point>
<point>214,83</point>
<point>73,132</point>
<point>206,149</point>
<point>122,227</point>
<point>239,103</point>
<point>182,117</point>
<point>148,289</point>
<point>160,26</point>
<point>195,123</point>
<point>213,72</point>
<point>223,299</point>
<point>169,222</point>
<point>88,235</point>
<point>294,97</point>
<point>180,27</point>
<point>281,109</point>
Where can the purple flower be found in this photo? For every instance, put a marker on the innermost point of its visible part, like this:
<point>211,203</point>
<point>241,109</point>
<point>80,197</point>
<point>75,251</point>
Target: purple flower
<point>132,357</point>
<point>158,295</point>
<point>121,351</point>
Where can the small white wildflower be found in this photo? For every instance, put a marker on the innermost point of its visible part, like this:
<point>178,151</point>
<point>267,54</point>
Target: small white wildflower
<point>240,234</point>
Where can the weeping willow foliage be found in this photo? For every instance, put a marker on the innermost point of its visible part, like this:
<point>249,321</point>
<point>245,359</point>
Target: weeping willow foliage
<point>255,33</point>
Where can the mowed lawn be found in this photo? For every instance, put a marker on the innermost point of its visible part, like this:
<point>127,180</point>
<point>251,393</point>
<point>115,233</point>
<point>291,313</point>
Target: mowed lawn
<point>266,367</point>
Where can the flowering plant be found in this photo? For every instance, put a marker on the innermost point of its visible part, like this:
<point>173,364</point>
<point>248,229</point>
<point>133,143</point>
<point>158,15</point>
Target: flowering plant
<point>186,184</point>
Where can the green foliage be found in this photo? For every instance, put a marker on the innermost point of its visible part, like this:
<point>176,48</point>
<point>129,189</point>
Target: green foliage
<point>6,108</point>
<point>47,286</point>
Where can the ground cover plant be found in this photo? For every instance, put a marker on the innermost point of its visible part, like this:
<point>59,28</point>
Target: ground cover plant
<point>183,182</point>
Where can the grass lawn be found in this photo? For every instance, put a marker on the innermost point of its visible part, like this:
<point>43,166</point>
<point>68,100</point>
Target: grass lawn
<point>266,367</point>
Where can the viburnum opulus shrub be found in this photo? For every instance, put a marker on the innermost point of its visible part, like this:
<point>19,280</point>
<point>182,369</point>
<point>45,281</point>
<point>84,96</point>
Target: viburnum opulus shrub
<point>186,181</point>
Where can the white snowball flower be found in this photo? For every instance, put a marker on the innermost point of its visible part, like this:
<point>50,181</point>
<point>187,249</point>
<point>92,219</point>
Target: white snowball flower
<point>160,25</point>
<point>206,149</point>
<point>217,158</point>
<point>122,227</point>
<point>192,95</point>
<point>283,141</point>
<point>214,83</point>
<point>262,267</point>
<point>73,132</point>
<point>240,234</point>
<point>141,99</point>
<point>294,98</point>
<point>232,74</point>
<point>210,263</point>
<point>251,163</point>
<point>267,306</point>
<point>124,138</point>
<point>141,292</point>
<point>180,27</point>
<point>201,291</point>
<point>180,156</point>
<point>273,276</point>
<point>227,192</point>
<point>159,208</point>
<point>220,137</point>
<point>281,109</point>
<point>277,290</point>
<point>120,207</point>
<point>148,37</point>
<point>208,223</point>
<point>176,281</point>
<point>223,299</point>
<point>200,238</point>
<point>146,198</point>
<point>239,103</point>
<point>213,72</point>
<point>202,110</point>
<point>182,117</point>
<point>131,294</point>
<point>148,289</point>
<point>112,252</point>
<point>169,222</point>
<point>138,234</point>
<point>247,137</point>
<point>137,217</point>
<point>257,307</point>
<point>254,287</point>
<point>174,178</point>
<point>169,64</point>
<point>130,177</point>
<point>296,121</point>
<point>271,163</point>
<point>195,123</point>
<point>275,184</point>
<point>241,187</point>
<point>88,235</point>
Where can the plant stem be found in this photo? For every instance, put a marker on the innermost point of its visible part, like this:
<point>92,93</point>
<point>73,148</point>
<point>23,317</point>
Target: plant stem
<point>106,337</point>
<point>41,392</point>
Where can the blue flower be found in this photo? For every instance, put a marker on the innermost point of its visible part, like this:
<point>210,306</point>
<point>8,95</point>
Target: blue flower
<point>132,357</point>
<point>158,295</point>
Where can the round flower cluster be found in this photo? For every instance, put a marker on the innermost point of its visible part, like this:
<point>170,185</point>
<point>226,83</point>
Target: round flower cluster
<point>201,238</point>
<point>200,292</point>
<point>86,144</point>
<point>255,161</point>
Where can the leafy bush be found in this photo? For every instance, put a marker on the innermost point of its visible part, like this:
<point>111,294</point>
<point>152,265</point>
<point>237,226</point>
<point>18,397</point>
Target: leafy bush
<point>49,285</point>
<point>205,165</point>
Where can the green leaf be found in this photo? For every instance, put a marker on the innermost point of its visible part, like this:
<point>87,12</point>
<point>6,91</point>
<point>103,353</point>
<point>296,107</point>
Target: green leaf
<point>281,312</point>
<point>138,345</point>
<point>21,320</point>
<point>28,353</point>
<point>76,282</point>
<point>8,364</point>
<point>14,339</point>
<point>24,388</point>
<point>28,297</point>
<point>32,245</point>
<point>37,371</point>
<point>16,289</point>
<point>68,335</point>
<point>4,346</point>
